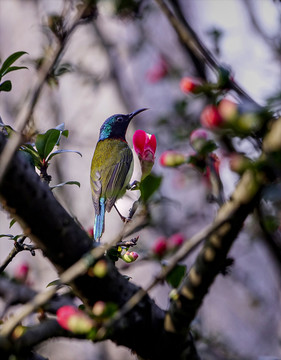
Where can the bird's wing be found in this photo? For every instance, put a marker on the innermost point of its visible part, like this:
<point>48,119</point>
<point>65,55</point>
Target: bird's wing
<point>96,190</point>
<point>118,178</point>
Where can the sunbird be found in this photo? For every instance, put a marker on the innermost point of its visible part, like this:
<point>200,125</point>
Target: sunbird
<point>111,168</point>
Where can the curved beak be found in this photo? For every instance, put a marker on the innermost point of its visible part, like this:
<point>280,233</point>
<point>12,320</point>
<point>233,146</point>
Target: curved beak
<point>132,114</point>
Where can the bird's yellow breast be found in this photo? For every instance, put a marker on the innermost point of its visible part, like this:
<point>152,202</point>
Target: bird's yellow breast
<point>107,155</point>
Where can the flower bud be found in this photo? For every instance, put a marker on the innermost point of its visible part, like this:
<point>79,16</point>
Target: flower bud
<point>158,71</point>
<point>238,163</point>
<point>99,308</point>
<point>129,257</point>
<point>176,240</point>
<point>228,110</point>
<point>190,85</point>
<point>210,117</point>
<point>21,272</point>
<point>160,246</point>
<point>100,269</point>
<point>145,147</point>
<point>74,320</point>
<point>171,158</point>
<point>198,139</point>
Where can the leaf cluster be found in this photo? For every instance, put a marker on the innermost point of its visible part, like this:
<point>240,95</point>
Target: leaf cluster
<point>8,67</point>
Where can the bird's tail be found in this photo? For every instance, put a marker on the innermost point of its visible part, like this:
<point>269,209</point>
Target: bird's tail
<point>99,221</point>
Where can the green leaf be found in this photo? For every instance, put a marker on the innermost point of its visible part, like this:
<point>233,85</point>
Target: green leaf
<point>9,61</point>
<point>6,86</point>
<point>54,283</point>
<point>7,235</point>
<point>12,222</point>
<point>65,183</point>
<point>29,149</point>
<point>149,186</point>
<point>15,68</point>
<point>63,151</point>
<point>176,275</point>
<point>46,142</point>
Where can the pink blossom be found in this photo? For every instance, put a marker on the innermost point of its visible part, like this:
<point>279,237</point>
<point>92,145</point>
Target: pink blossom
<point>145,147</point>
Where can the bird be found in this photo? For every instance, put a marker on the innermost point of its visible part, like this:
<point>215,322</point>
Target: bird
<point>111,167</point>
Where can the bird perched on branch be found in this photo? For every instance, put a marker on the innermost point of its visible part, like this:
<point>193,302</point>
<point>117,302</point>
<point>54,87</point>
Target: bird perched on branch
<point>112,167</point>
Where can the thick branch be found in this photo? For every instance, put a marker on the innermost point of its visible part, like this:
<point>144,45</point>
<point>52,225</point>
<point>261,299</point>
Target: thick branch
<point>64,242</point>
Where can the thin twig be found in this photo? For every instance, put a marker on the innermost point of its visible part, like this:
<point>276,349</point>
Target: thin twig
<point>77,269</point>
<point>28,107</point>
<point>188,36</point>
<point>18,247</point>
<point>165,271</point>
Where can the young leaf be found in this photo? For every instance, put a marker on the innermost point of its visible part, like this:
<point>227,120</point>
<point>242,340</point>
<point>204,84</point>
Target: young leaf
<point>12,222</point>
<point>149,186</point>
<point>7,235</point>
<point>46,142</point>
<point>61,152</point>
<point>176,275</point>
<point>9,61</point>
<point>6,86</point>
<point>29,149</point>
<point>15,68</point>
<point>65,183</point>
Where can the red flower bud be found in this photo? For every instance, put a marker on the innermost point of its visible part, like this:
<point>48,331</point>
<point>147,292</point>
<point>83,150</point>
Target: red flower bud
<point>171,158</point>
<point>190,85</point>
<point>21,272</point>
<point>210,117</point>
<point>158,71</point>
<point>176,240</point>
<point>72,319</point>
<point>145,147</point>
<point>160,246</point>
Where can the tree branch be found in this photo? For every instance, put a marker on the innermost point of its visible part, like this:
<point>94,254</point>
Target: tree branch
<point>64,243</point>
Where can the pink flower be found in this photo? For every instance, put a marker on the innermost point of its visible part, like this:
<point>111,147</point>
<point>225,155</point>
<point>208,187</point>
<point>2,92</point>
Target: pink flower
<point>171,158</point>
<point>210,117</point>
<point>145,147</point>
<point>160,246</point>
<point>176,240</point>
<point>72,319</point>
<point>190,85</point>
<point>158,71</point>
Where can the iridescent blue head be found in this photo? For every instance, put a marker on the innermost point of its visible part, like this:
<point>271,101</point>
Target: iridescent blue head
<point>115,126</point>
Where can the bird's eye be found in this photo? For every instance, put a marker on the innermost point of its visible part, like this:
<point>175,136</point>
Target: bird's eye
<point>119,119</point>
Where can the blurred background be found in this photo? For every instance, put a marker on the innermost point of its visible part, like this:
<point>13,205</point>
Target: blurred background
<point>128,59</point>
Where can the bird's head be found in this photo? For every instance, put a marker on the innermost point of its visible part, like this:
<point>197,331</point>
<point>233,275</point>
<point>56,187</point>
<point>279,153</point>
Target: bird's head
<point>116,125</point>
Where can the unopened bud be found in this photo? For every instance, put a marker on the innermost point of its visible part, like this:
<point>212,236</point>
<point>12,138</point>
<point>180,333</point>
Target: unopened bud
<point>210,117</point>
<point>160,246</point>
<point>129,257</point>
<point>171,158</point>
<point>190,85</point>
<point>198,139</point>
<point>99,308</point>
